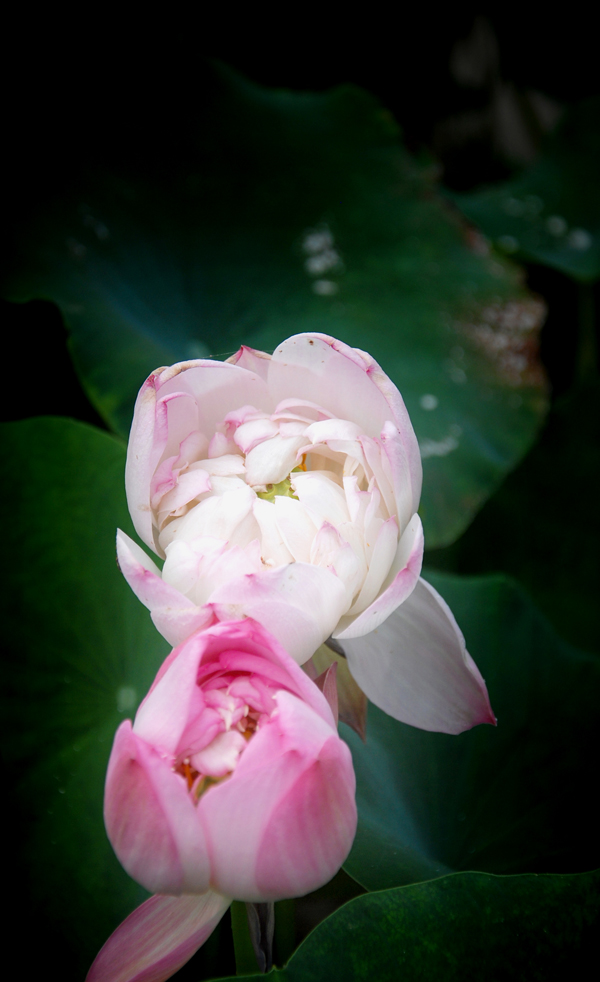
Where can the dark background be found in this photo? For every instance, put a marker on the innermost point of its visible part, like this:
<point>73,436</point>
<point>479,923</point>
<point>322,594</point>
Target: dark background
<point>473,89</point>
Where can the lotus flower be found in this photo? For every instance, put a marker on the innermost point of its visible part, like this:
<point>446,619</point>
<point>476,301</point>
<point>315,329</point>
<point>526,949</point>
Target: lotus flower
<point>231,783</point>
<point>286,488</point>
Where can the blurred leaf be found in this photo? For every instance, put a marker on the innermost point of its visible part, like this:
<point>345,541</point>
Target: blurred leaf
<point>280,213</point>
<point>517,798</point>
<point>465,927</point>
<point>551,212</point>
<point>543,524</point>
<point>81,652</point>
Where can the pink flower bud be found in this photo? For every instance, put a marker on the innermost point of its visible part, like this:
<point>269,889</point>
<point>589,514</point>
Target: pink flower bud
<point>233,778</point>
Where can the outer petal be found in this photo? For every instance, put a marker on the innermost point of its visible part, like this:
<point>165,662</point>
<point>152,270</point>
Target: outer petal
<point>144,577</point>
<point>398,585</point>
<point>163,715</point>
<point>293,795</point>
<point>218,389</point>
<point>299,604</point>
<point>158,938</point>
<point>347,382</point>
<point>171,404</point>
<point>151,821</point>
<point>144,451</point>
<point>251,358</point>
<point>310,834</point>
<point>174,615</point>
<point>416,668</point>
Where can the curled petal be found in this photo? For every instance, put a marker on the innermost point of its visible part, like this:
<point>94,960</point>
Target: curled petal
<point>416,668</point>
<point>158,938</point>
<point>398,585</point>
<point>271,461</point>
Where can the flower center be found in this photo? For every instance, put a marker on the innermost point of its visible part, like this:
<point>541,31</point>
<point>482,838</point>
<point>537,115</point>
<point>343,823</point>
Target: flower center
<point>283,488</point>
<point>233,708</point>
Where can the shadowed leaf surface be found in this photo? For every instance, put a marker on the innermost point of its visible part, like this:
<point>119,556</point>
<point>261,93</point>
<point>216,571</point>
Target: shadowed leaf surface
<point>467,927</point>
<point>514,798</point>
<point>550,213</point>
<point>275,213</point>
<point>81,652</point>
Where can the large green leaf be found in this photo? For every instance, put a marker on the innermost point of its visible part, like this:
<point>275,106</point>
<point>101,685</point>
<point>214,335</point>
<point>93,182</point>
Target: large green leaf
<point>467,927</point>
<point>542,525</point>
<point>512,799</point>
<point>551,212</point>
<point>295,212</point>
<point>81,652</point>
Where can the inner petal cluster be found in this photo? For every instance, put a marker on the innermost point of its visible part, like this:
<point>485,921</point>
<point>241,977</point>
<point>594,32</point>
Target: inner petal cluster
<point>298,485</point>
<point>228,708</point>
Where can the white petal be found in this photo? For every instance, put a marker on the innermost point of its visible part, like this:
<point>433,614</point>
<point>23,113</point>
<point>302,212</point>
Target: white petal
<point>330,550</point>
<point>381,559</point>
<point>220,517</point>
<point>374,453</point>
<point>323,499</point>
<point>196,568</point>
<point>221,756</point>
<point>296,528</point>
<point>273,549</point>
<point>397,586</point>
<point>416,668</point>
<point>333,429</point>
<point>227,465</point>
<point>271,461</point>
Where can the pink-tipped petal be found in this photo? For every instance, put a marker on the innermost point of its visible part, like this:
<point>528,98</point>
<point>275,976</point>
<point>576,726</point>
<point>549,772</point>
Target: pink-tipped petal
<point>144,577</point>
<point>252,360</point>
<point>158,938</point>
<point>416,668</point>
<point>356,388</point>
<point>145,448</point>
<point>397,587</point>
<point>299,604</point>
<point>329,373</point>
<point>218,388</point>
<point>174,615</point>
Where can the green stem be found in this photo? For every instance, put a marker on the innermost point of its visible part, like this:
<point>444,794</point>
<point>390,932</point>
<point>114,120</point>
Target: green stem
<point>245,959</point>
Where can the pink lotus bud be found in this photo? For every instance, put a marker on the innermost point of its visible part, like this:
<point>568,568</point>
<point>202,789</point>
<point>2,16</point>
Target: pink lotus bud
<point>270,476</point>
<point>233,778</point>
